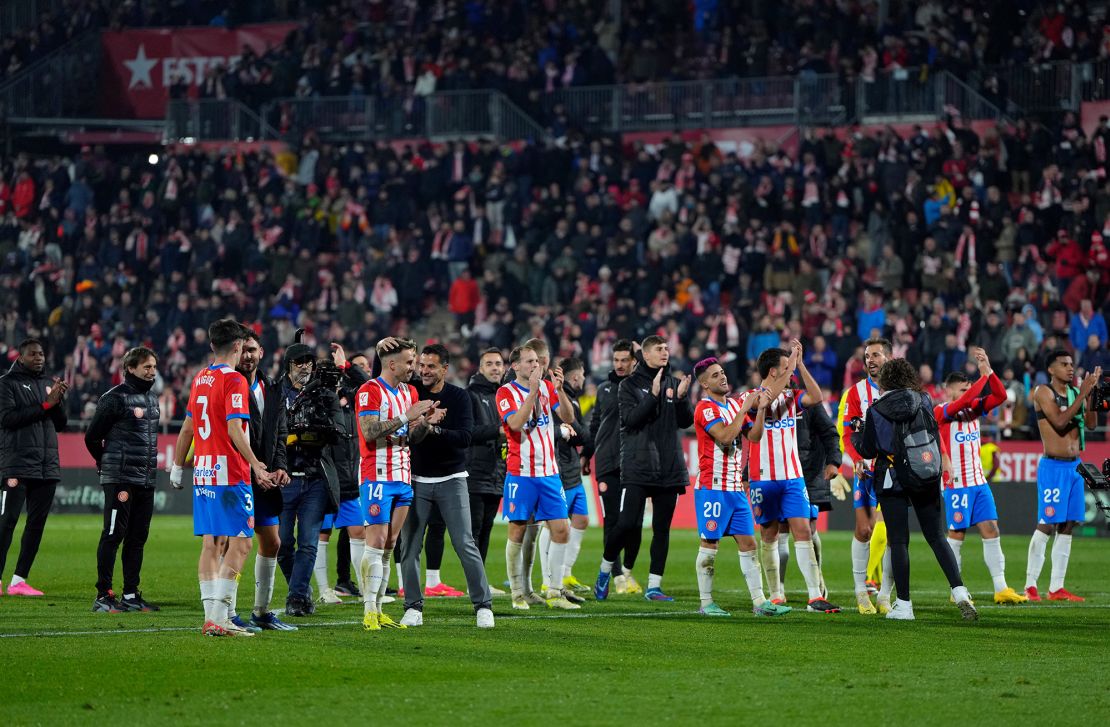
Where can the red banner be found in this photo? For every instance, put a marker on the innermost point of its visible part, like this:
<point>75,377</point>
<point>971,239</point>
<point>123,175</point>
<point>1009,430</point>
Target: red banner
<point>140,65</point>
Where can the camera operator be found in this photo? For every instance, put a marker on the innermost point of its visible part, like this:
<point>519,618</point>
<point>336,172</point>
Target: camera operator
<point>819,451</point>
<point>653,406</point>
<point>123,439</point>
<point>439,480</point>
<point>32,412</point>
<point>1063,418</point>
<point>313,489</point>
<point>904,414</point>
<point>352,538</point>
<point>605,437</point>
<point>268,432</point>
<point>485,463</point>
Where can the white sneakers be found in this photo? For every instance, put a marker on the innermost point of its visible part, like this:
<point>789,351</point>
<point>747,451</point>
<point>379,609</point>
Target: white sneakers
<point>328,595</point>
<point>412,617</point>
<point>484,618</point>
<point>901,611</point>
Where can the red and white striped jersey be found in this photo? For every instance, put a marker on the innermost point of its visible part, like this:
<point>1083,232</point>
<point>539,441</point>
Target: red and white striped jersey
<point>960,436</point>
<point>775,456</point>
<point>386,459</point>
<point>719,468</point>
<point>218,395</point>
<point>532,449</point>
<point>857,400</point>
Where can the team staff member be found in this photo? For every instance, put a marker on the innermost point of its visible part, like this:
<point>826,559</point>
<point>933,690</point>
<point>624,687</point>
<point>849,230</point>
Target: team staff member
<point>439,480</point>
<point>32,412</point>
<point>605,439</point>
<point>570,437</point>
<point>485,464</point>
<point>267,434</point>
<point>123,439</point>
<point>819,451</point>
<point>902,403</point>
<point>653,407</point>
<point>352,537</point>
<point>312,492</point>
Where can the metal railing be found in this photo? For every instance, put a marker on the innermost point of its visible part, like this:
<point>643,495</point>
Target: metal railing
<point>63,83</point>
<point>1035,87</point>
<point>214,119</point>
<point>906,94</point>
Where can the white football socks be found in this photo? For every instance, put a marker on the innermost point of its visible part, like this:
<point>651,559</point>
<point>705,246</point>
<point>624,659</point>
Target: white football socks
<point>996,562</point>
<point>655,580</point>
<point>957,548</point>
<point>231,612</point>
<point>888,576</point>
<point>543,545</point>
<point>861,551</point>
<point>1061,552</point>
<point>357,547</point>
<point>1035,563</point>
<point>769,557</point>
<point>372,574</point>
<point>784,559</point>
<point>573,548</point>
<point>704,565</point>
<point>431,578</point>
<point>224,588</point>
<point>753,577</point>
<point>264,569</point>
<point>607,566</point>
<point>208,599</point>
<point>387,554</point>
<point>514,567</point>
<point>807,561</point>
<point>556,555</point>
<point>320,567</point>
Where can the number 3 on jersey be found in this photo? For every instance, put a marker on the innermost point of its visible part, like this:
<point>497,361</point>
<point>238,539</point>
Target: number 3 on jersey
<point>205,427</point>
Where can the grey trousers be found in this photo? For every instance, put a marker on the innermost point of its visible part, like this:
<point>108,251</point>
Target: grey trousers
<point>453,500</point>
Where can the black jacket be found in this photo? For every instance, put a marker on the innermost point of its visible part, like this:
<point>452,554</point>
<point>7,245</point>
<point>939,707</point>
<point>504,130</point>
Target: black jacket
<point>28,433</point>
<point>605,428</point>
<point>818,445</point>
<point>876,441</point>
<point>268,433</point>
<point>651,455</point>
<point>444,454</point>
<point>345,452</point>
<point>485,463</point>
<point>566,451</point>
<point>123,434</point>
<point>317,461</point>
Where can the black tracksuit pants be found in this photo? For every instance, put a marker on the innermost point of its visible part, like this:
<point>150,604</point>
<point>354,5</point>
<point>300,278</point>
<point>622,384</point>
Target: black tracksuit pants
<point>483,512</point>
<point>39,496</point>
<point>127,514</point>
<point>633,501</point>
<point>930,514</point>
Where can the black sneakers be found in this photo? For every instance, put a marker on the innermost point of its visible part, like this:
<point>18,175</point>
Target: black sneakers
<point>820,605</point>
<point>299,607</point>
<point>136,603</point>
<point>106,603</point>
<point>346,588</point>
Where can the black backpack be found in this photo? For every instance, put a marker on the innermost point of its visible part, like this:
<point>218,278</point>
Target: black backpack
<point>917,457</point>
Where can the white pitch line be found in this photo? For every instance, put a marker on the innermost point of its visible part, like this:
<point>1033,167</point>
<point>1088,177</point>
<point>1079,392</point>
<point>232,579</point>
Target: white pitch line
<point>460,621</point>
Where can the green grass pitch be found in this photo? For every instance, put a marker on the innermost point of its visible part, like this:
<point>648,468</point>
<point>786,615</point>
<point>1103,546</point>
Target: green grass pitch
<point>619,662</point>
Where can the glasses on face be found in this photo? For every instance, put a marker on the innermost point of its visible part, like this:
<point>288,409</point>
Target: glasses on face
<point>304,362</point>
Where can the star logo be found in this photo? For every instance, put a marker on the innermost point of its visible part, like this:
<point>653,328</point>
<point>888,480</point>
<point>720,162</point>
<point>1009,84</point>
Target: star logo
<point>140,67</point>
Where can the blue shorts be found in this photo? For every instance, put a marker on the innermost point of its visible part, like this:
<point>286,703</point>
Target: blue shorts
<point>722,513</point>
<point>967,506</point>
<point>350,513</point>
<point>774,500</point>
<point>223,510</point>
<point>1060,495</point>
<point>377,500</point>
<point>863,492</point>
<point>541,498</point>
<point>267,507</point>
<point>576,500</point>
<point>814,511</point>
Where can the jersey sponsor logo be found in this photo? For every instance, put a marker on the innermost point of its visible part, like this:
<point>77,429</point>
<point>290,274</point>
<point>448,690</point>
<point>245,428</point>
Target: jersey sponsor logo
<point>139,412</point>
<point>711,525</point>
<point>504,405</point>
<point>962,437</point>
<point>784,423</point>
<point>237,401</point>
<point>364,398</point>
<point>204,492</point>
<point>122,496</point>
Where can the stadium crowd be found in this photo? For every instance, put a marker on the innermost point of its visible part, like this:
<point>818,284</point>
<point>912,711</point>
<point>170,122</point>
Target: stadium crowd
<point>941,240</point>
<point>404,49</point>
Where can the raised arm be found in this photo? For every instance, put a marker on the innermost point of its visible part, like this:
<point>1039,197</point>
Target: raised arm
<point>813,389</point>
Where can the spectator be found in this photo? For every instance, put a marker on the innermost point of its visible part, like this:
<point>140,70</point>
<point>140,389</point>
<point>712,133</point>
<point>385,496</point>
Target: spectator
<point>1084,324</point>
